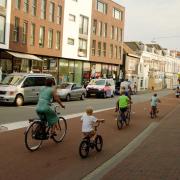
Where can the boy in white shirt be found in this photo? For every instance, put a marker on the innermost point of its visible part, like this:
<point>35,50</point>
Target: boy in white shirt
<point>88,120</point>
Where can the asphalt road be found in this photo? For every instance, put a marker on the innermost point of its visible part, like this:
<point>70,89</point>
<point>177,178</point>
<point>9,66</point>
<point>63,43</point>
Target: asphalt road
<point>9,114</point>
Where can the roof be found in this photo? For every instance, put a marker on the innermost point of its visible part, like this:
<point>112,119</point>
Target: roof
<point>134,46</point>
<point>156,46</point>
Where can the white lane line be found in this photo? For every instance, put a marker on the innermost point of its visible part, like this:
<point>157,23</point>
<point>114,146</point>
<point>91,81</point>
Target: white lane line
<point>22,124</point>
<point>107,166</point>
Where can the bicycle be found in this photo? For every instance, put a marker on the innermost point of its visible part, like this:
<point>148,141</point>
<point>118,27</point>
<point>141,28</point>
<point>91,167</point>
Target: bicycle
<point>124,118</point>
<point>38,131</point>
<point>87,144</point>
<point>154,112</point>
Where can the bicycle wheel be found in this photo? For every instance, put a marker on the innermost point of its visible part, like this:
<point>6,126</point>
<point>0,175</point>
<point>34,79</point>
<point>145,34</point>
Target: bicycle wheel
<point>98,143</point>
<point>120,122</point>
<point>128,118</point>
<point>31,142</point>
<point>84,149</point>
<point>61,130</point>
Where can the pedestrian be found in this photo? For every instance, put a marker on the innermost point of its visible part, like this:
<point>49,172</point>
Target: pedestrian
<point>135,88</point>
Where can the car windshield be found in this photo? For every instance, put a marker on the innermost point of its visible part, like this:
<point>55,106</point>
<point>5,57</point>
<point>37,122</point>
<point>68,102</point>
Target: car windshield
<point>12,80</point>
<point>65,86</point>
<point>97,82</point>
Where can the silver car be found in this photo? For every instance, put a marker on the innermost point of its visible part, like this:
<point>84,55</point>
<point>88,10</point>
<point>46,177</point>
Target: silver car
<point>19,88</point>
<point>68,91</point>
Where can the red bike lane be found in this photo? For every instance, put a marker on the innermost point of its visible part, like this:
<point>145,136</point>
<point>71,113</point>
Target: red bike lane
<point>62,161</point>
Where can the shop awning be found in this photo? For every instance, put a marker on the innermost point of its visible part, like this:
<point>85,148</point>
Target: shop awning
<point>24,56</point>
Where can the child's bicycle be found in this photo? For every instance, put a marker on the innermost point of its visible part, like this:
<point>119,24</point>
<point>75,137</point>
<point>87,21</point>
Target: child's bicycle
<point>87,144</point>
<point>38,130</point>
<point>124,118</point>
<point>153,112</point>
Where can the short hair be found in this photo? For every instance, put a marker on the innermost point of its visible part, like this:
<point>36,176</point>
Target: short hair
<point>155,94</point>
<point>49,82</point>
<point>89,110</point>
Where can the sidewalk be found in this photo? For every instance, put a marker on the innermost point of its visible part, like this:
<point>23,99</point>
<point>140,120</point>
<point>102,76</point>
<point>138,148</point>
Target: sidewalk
<point>157,158</point>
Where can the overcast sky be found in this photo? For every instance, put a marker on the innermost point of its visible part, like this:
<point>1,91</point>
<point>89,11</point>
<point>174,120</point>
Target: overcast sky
<point>149,19</point>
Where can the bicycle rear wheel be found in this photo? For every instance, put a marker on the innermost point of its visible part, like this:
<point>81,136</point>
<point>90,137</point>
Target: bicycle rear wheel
<point>84,149</point>
<point>120,122</point>
<point>128,118</point>
<point>61,130</point>
<point>31,142</point>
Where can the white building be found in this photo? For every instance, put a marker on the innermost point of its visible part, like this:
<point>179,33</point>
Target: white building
<point>77,29</point>
<point>5,12</point>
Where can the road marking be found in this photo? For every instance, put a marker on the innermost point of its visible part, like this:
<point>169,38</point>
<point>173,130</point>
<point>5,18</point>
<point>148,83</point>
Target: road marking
<point>22,124</point>
<point>107,166</point>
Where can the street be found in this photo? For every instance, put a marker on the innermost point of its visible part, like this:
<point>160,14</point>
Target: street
<point>62,161</point>
<point>11,114</point>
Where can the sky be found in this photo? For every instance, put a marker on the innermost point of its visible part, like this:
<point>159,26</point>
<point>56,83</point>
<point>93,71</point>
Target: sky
<point>147,20</point>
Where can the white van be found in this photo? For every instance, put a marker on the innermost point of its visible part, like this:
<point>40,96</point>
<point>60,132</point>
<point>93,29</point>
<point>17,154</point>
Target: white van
<point>19,88</point>
<point>101,87</point>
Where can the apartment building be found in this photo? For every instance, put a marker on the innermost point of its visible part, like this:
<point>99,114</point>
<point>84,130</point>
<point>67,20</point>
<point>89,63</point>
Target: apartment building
<point>35,36</point>
<point>74,40</point>
<point>107,32</point>
<point>5,12</point>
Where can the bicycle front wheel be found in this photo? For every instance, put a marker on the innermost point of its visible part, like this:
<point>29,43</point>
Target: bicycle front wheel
<point>120,122</point>
<point>128,118</point>
<point>32,143</point>
<point>61,130</point>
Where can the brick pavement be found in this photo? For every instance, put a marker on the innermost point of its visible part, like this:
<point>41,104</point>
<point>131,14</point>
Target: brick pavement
<point>157,158</point>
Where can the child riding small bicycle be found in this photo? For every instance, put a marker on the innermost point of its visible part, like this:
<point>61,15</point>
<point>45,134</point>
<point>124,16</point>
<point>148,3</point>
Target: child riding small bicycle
<point>154,101</point>
<point>88,123</point>
<point>123,102</point>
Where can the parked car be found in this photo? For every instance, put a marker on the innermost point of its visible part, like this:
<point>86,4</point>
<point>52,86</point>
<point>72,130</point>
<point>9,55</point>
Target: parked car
<point>19,88</point>
<point>101,87</point>
<point>68,91</point>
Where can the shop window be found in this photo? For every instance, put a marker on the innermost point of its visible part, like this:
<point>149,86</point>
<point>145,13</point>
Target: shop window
<point>63,71</point>
<point>86,71</point>
<point>78,72</point>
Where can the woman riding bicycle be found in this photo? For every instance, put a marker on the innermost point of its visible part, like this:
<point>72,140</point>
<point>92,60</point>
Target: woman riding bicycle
<point>43,108</point>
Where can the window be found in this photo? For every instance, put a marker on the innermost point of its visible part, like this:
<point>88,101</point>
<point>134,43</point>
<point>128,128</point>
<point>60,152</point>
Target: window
<point>70,41</point>
<point>120,35</point>
<point>25,29</point>
<point>57,40</point>
<point>32,38</point>
<point>41,36</point>
<point>72,17</point>
<point>104,49</point>
<point>120,51</point>
<point>116,52</point>
<point>51,12</point>
<point>117,14</point>
<point>111,51</point>
<point>93,47</point>
<point>2,29</point>
<point>105,30</point>
<point>94,26</point>
<point>101,7</point>
<point>50,38</point>
<point>17,4</point>
<point>59,14</point>
<point>26,6</point>
<point>112,32</point>
<point>83,27</point>
<point>34,6</point>
<point>82,51</point>
<point>100,29</point>
<point>99,48</point>
<point>43,9</point>
<point>3,3</point>
<point>16,30</point>
<point>115,33</point>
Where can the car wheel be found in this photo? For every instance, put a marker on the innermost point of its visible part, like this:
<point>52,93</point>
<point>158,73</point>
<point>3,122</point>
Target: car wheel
<point>68,97</point>
<point>82,96</point>
<point>19,101</point>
